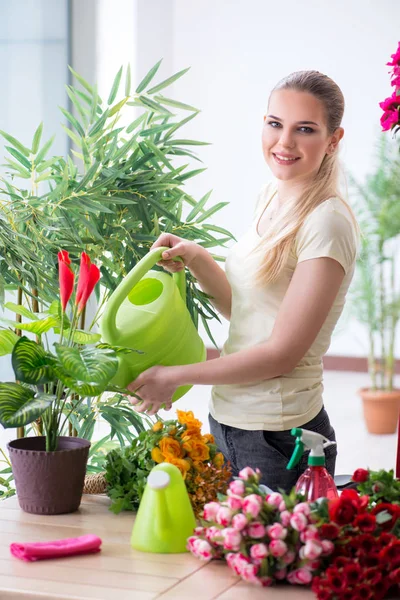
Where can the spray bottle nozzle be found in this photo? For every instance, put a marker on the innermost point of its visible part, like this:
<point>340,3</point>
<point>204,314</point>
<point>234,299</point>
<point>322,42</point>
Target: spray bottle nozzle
<point>314,441</point>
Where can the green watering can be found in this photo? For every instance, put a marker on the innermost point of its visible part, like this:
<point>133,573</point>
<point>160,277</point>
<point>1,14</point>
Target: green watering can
<point>147,312</point>
<point>165,517</point>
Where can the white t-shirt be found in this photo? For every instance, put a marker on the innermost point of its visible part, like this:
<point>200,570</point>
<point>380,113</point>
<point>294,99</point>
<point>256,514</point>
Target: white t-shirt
<point>296,397</point>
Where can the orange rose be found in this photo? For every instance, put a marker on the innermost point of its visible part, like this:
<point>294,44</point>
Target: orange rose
<point>181,463</point>
<point>157,455</point>
<point>170,448</point>
<point>188,418</point>
<point>219,460</point>
<point>199,451</point>
<point>158,426</point>
<point>208,438</point>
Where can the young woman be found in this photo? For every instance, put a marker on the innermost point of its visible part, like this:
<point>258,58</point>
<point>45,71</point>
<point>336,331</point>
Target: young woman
<point>283,291</point>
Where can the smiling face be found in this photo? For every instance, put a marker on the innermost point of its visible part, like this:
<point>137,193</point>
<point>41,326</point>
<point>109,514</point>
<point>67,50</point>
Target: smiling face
<point>295,138</point>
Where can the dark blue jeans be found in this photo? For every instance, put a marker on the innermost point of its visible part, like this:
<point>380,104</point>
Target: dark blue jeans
<point>270,451</point>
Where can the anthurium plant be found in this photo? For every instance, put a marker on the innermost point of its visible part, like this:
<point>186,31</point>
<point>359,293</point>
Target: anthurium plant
<point>52,384</point>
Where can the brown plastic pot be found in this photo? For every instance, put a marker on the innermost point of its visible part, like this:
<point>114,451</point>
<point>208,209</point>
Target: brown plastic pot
<point>49,483</point>
<point>381,409</point>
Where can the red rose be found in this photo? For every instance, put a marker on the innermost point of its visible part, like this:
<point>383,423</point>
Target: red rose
<point>329,531</point>
<point>342,561</point>
<point>392,509</point>
<point>395,576</point>
<point>365,543</point>
<point>336,581</point>
<point>352,573</point>
<point>344,509</point>
<point>360,475</point>
<point>391,554</point>
<point>385,539</point>
<point>365,592</point>
<point>365,522</point>
<point>372,575</point>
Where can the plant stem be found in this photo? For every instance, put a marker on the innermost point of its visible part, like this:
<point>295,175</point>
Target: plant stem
<point>20,430</point>
<point>382,316</point>
<point>392,338</point>
<point>371,360</point>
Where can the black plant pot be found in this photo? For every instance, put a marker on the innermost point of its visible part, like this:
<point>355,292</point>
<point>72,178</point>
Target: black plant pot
<point>49,483</point>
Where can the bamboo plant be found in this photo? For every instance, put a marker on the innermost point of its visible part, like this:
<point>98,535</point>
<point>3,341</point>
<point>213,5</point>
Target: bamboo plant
<point>375,297</point>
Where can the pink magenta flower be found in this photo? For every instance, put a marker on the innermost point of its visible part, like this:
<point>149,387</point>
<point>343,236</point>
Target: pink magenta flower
<point>327,547</point>
<point>303,507</point>
<point>239,522</point>
<point>395,58</point>
<point>274,499</point>
<point>298,521</point>
<point>265,581</point>
<point>312,549</point>
<point>276,531</point>
<point>232,538</point>
<point>309,533</point>
<point>199,531</point>
<point>190,542</point>
<point>258,551</point>
<point>281,574</point>
<point>390,115</point>
<point>248,572</point>
<point>213,533</point>
<point>236,561</point>
<point>282,506</point>
<point>210,511</point>
<point>252,505</point>
<point>300,576</point>
<point>285,517</point>
<point>234,502</point>
<point>246,473</point>
<point>277,548</point>
<point>256,530</point>
<point>203,549</point>
<point>224,516</point>
<point>236,487</point>
<point>289,557</point>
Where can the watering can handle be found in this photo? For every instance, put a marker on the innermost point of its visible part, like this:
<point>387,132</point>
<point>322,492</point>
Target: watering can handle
<point>134,276</point>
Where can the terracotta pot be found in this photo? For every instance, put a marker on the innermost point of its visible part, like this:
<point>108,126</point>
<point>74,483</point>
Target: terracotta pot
<point>381,409</point>
<point>49,483</point>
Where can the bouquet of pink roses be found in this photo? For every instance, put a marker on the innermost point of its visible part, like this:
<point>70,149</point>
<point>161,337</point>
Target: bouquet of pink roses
<point>263,537</point>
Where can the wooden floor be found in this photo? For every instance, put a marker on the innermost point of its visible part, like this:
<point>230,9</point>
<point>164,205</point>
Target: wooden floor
<point>116,573</point>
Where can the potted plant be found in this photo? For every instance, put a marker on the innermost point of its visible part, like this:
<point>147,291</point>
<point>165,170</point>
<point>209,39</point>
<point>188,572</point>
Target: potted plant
<point>375,292</point>
<point>49,470</point>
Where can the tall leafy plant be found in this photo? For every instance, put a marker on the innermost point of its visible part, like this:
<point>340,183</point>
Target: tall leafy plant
<point>375,295</point>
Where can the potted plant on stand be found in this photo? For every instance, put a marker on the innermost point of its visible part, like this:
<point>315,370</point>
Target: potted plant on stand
<point>49,470</point>
<point>376,293</point>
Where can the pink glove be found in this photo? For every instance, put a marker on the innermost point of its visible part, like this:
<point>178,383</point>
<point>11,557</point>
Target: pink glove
<point>84,544</point>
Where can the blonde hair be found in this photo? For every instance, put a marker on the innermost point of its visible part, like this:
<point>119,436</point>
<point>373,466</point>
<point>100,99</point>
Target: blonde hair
<point>275,248</point>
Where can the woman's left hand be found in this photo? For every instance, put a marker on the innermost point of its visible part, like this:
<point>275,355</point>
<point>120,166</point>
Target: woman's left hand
<point>155,389</point>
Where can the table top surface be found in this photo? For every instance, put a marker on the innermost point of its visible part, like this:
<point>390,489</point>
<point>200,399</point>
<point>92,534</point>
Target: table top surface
<point>117,572</point>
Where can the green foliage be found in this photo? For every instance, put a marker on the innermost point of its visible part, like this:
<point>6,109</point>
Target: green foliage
<point>375,297</point>
<point>381,486</point>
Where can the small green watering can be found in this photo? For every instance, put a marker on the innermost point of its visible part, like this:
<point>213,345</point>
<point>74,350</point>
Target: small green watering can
<point>147,312</point>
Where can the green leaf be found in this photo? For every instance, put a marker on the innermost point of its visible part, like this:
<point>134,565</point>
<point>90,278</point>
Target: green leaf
<point>211,211</point>
<point>36,138</point>
<point>37,327</point>
<point>115,86</point>
<point>82,81</point>
<point>73,121</point>
<point>18,309</point>
<point>8,339</point>
<point>30,362</point>
<point>146,80</point>
<point>20,170</point>
<point>83,337</point>
<point>135,123</point>
<point>20,158</point>
<point>20,406</point>
<point>92,366</point>
<point>15,143</point>
<point>175,103</point>
<point>128,81</point>
<point>98,125</point>
<point>199,207</point>
<point>47,163</point>
<point>185,143</point>
<point>167,82</point>
<point>72,135</point>
<point>148,103</point>
<point>44,150</point>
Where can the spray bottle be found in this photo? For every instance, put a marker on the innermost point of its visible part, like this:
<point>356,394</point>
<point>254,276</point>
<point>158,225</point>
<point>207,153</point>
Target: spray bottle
<point>315,482</point>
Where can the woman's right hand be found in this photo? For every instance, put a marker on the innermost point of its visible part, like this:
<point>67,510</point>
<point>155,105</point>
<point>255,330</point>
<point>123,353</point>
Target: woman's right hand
<point>186,250</point>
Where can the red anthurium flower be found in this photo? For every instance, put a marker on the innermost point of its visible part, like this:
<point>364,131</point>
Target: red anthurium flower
<point>66,278</point>
<point>89,275</point>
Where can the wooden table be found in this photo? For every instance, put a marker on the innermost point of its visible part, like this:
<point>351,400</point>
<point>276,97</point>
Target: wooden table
<point>117,572</point>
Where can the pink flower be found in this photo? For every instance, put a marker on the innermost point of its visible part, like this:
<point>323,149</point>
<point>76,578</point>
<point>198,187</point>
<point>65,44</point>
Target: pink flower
<point>252,505</point>
<point>310,533</point>
<point>312,549</point>
<point>303,507</point>
<point>281,574</point>
<point>285,517</point>
<point>239,522</point>
<point>210,511</point>
<point>395,58</point>
<point>327,547</point>
<point>282,506</point>
<point>300,576</point>
<point>256,530</point>
<point>203,549</point>
<point>277,548</point>
<point>274,499</point>
<point>232,538</point>
<point>212,535</point>
<point>289,557</point>
<point>276,531</point>
<point>224,516</point>
<point>258,551</point>
<point>236,561</point>
<point>234,502</point>
<point>390,108</point>
<point>246,473</point>
<point>298,521</point>
<point>199,531</point>
<point>248,572</point>
<point>190,543</point>
<point>236,487</point>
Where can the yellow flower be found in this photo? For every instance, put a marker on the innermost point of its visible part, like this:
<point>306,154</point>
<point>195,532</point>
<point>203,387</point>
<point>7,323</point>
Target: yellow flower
<point>158,426</point>
<point>157,455</point>
<point>208,438</point>
<point>170,448</point>
<point>181,463</point>
<point>172,430</point>
<point>219,460</point>
<point>188,418</point>
<point>199,450</point>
